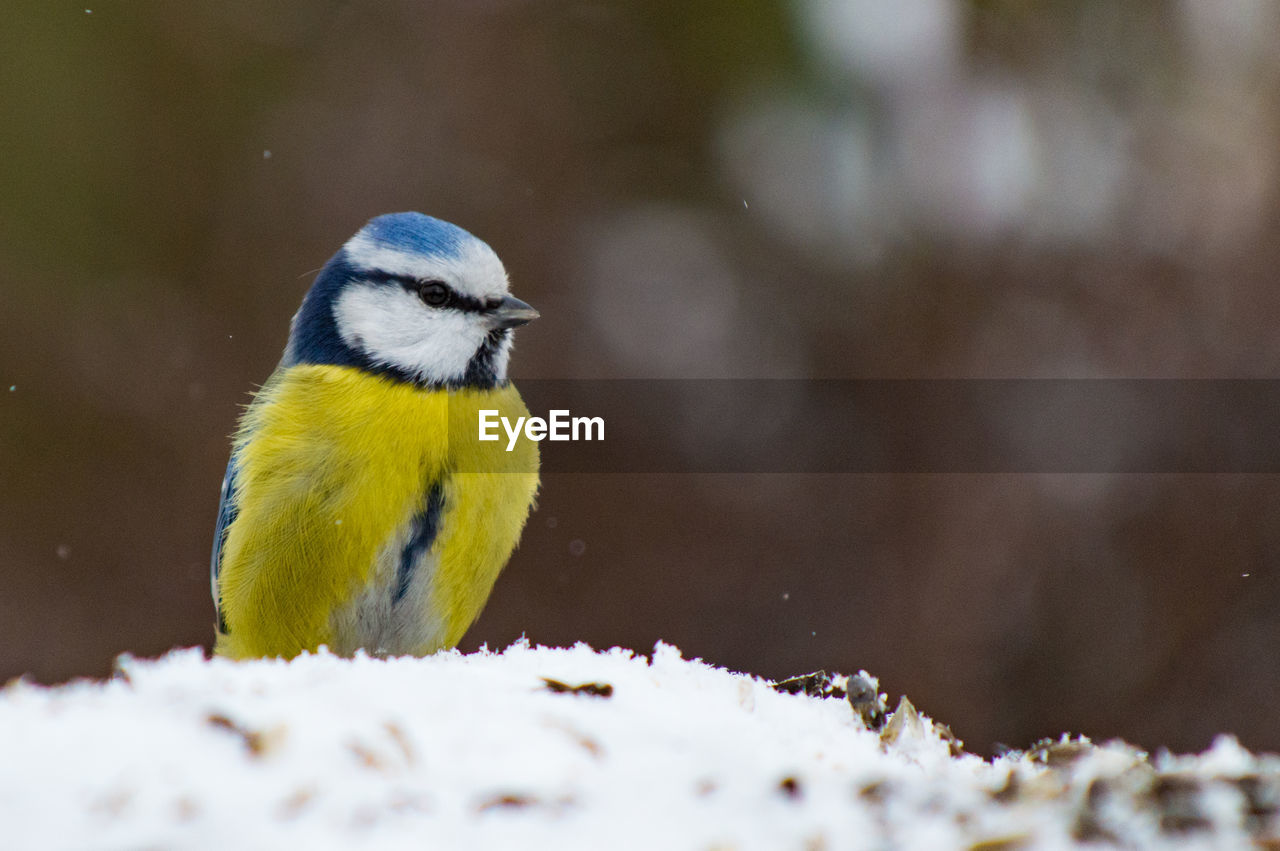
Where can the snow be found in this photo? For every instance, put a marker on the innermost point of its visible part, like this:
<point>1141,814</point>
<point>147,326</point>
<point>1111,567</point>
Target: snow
<point>539,747</point>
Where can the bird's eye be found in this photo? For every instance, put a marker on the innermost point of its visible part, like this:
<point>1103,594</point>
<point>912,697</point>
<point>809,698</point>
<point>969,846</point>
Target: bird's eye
<point>433,293</point>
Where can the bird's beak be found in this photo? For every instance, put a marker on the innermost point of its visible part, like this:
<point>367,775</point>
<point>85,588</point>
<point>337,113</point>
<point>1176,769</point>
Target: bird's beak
<point>510,313</point>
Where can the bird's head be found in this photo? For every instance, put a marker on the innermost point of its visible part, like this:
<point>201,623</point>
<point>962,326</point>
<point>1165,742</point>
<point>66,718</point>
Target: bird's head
<point>413,298</point>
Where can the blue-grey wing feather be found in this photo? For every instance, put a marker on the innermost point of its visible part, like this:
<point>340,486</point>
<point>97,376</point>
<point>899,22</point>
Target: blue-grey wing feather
<point>228,508</point>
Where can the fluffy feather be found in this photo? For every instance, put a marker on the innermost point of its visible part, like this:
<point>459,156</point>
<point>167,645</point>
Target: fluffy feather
<point>332,464</point>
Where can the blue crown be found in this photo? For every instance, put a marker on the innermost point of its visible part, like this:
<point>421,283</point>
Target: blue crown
<point>417,233</point>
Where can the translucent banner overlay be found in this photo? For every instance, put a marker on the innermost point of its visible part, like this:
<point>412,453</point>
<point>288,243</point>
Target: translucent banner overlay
<point>903,426</point>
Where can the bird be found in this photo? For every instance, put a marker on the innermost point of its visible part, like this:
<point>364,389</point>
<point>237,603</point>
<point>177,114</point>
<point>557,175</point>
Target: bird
<point>360,511</point>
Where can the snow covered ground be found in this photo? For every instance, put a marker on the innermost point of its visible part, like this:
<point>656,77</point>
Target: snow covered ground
<point>538,747</point>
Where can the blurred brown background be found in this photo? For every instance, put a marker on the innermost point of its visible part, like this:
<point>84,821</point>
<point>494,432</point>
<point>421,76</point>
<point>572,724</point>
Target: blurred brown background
<point>727,188</point>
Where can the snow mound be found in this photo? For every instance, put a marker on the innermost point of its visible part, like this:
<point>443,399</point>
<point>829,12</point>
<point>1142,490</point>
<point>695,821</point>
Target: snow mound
<point>567,748</point>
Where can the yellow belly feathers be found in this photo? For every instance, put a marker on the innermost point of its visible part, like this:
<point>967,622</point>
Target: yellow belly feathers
<point>333,464</point>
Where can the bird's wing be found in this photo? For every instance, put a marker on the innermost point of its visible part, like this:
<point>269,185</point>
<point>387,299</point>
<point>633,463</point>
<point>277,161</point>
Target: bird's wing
<point>227,510</point>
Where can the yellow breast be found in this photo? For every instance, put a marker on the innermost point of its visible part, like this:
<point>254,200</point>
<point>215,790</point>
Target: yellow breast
<point>332,464</point>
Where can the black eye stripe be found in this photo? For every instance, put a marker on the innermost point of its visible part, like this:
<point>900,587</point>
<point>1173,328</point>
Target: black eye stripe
<point>456,300</point>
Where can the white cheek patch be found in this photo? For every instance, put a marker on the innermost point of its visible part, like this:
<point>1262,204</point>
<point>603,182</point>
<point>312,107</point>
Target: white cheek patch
<point>472,270</point>
<point>393,327</point>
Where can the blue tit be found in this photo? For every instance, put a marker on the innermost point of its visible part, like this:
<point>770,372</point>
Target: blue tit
<point>360,510</point>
